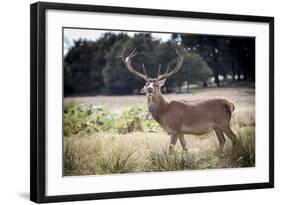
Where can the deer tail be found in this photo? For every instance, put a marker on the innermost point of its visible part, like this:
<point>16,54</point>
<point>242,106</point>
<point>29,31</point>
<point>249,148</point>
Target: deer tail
<point>231,106</point>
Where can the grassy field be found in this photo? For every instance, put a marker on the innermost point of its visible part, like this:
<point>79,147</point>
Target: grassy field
<point>116,134</point>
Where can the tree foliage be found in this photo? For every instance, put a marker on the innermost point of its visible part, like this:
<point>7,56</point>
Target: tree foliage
<point>94,67</point>
<point>225,55</point>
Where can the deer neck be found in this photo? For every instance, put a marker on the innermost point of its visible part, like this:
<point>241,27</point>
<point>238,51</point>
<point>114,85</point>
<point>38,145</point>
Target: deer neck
<point>157,106</point>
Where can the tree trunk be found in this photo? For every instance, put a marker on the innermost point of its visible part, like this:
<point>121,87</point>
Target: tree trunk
<point>246,76</point>
<point>179,88</point>
<point>239,77</point>
<point>233,70</point>
<point>217,80</point>
<point>205,84</point>
<point>168,89</point>
<point>187,87</point>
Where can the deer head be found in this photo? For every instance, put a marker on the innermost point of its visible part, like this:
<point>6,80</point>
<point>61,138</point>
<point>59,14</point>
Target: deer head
<point>153,85</point>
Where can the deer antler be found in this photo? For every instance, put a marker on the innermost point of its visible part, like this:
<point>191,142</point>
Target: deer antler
<point>167,74</point>
<point>127,62</point>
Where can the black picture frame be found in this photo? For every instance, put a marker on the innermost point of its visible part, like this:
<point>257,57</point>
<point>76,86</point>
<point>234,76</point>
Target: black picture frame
<point>38,101</point>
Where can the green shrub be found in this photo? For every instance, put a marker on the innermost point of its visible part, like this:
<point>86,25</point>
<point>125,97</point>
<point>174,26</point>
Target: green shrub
<point>87,118</point>
<point>135,119</point>
<point>134,116</point>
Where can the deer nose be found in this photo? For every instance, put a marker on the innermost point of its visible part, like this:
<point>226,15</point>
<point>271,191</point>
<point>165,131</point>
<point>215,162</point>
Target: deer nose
<point>149,89</point>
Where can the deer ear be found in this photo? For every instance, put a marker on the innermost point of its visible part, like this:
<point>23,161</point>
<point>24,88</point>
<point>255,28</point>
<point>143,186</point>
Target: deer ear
<point>162,82</point>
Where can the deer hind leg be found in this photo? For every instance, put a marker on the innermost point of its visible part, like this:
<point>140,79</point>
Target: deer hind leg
<point>221,138</point>
<point>174,139</point>
<point>182,141</point>
<point>230,134</point>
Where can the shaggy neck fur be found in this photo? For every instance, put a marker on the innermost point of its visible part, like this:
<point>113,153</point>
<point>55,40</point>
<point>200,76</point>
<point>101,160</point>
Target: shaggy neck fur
<point>156,106</point>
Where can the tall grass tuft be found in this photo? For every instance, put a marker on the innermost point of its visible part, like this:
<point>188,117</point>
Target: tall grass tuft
<point>163,160</point>
<point>243,154</point>
<point>118,161</point>
<point>118,156</point>
<point>78,158</point>
<point>91,156</point>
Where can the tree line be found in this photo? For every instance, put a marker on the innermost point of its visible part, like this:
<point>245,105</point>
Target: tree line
<point>94,67</point>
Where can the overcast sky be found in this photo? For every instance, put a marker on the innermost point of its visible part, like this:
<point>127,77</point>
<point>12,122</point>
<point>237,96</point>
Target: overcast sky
<point>71,35</point>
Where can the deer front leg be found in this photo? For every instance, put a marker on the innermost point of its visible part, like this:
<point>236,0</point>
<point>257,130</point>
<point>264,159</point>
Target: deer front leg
<point>174,139</point>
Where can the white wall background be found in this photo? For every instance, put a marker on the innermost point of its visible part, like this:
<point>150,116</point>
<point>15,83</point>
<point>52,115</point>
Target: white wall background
<point>14,100</point>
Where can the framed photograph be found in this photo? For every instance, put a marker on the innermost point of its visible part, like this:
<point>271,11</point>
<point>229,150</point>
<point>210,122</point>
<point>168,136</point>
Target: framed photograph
<point>129,102</point>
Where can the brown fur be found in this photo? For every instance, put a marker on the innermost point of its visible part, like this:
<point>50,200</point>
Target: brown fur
<point>194,117</point>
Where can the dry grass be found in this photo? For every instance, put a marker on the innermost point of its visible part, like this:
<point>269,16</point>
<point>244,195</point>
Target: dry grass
<point>109,153</point>
<point>244,98</point>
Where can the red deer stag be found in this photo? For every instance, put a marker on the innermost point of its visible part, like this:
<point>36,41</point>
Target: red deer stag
<point>194,117</point>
